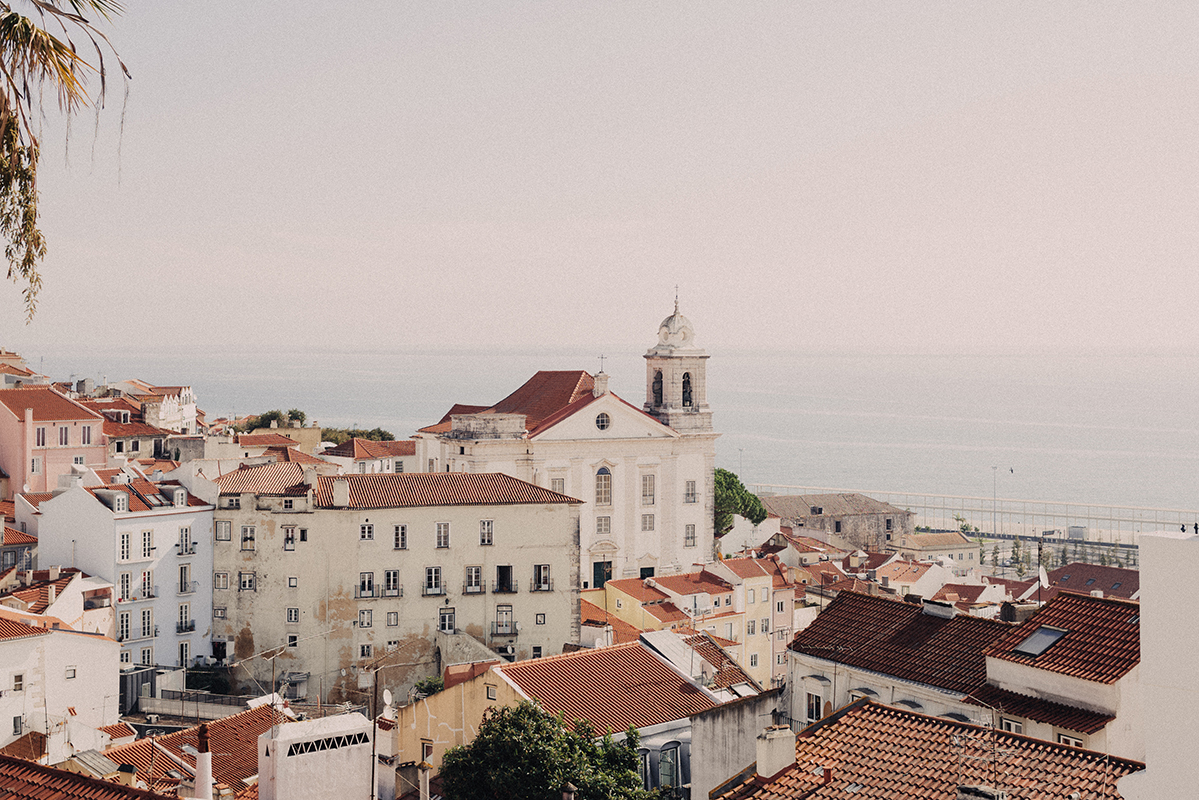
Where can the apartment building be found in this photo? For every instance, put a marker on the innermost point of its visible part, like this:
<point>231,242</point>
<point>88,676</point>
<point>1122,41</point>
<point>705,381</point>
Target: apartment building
<point>44,435</point>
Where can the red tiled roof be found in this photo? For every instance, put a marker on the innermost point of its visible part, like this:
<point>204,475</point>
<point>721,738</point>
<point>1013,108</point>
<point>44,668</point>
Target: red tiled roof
<point>745,567</point>
<point>420,489</point>
<point>446,422</point>
<point>614,688</point>
<point>1039,710</point>
<point>12,536</point>
<point>120,730</point>
<point>12,629</point>
<point>31,747</point>
<point>265,440</point>
<point>593,616</point>
<point>960,594</point>
<point>141,490</point>
<point>124,430</point>
<point>1102,643</point>
<point>902,571</point>
<point>728,671</point>
<point>36,596</point>
<point>881,753</point>
<point>1015,588</point>
<point>823,572</point>
<point>292,454</point>
<point>455,674</point>
<point>693,583</point>
<point>149,465</point>
<point>47,404</point>
<point>368,448</point>
<point>636,589</point>
<point>899,639</point>
<point>23,780</point>
<point>35,499</point>
<point>277,478</point>
<point>1112,581</point>
<point>665,612</point>
<point>8,509</point>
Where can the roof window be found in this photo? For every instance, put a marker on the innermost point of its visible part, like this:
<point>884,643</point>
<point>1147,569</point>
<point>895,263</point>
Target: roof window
<point>1090,581</point>
<point>1116,586</point>
<point>1065,578</point>
<point>1041,640</point>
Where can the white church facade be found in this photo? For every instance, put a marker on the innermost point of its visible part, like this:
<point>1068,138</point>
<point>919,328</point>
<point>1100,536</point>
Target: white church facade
<point>645,474</point>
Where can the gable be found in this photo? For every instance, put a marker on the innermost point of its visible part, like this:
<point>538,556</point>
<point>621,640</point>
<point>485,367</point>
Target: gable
<point>624,422</point>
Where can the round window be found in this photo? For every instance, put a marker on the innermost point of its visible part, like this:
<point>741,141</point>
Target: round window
<point>603,421</point>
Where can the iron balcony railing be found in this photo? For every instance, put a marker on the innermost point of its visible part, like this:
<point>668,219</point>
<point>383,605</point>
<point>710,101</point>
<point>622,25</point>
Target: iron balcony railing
<point>503,628</point>
<point>185,627</point>
<point>504,587</point>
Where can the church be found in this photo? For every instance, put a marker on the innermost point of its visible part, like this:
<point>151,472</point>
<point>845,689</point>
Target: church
<point>645,474</point>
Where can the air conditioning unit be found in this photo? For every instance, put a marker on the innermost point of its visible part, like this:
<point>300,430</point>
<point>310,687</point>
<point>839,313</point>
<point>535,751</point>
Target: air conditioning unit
<point>152,719</point>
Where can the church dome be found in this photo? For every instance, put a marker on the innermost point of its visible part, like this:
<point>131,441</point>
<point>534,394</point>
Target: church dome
<point>675,330</point>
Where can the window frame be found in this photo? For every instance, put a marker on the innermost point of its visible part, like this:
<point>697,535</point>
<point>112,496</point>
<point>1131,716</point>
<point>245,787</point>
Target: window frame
<point>443,535</point>
<point>603,487</point>
<point>486,532</point>
<point>399,537</point>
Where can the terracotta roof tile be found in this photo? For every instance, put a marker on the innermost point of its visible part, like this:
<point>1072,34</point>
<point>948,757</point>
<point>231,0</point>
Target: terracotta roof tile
<point>899,639</point>
<point>420,489</point>
<point>685,583</point>
<point>120,730</point>
<point>31,747</point>
<point>292,454</point>
<point>728,671</point>
<point>798,506</point>
<point>278,478</point>
<point>903,571</point>
<point>636,589</point>
<point>745,567</point>
<point>361,449</point>
<point>23,780</point>
<point>147,496</point>
<point>593,616</point>
<point>1102,641</point>
<point>12,536</point>
<point>1087,578</point>
<point>665,612</point>
<point>880,753</point>
<point>124,430</point>
<point>47,404</point>
<point>455,674</point>
<point>265,440</point>
<point>614,688</point>
<point>1035,708</point>
<point>8,509</point>
<point>36,596</point>
<point>12,629</point>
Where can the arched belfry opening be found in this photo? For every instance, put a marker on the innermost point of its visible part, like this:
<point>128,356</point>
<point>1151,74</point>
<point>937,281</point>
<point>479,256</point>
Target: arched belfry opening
<point>657,392</point>
<point>675,379</point>
<point>686,390</point>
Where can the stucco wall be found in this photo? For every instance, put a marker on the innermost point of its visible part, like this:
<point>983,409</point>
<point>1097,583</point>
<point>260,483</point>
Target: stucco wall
<point>724,739</point>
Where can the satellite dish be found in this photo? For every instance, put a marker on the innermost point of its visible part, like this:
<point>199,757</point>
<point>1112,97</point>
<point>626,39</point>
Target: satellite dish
<point>387,697</point>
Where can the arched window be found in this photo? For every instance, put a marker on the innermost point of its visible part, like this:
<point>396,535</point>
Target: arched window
<point>686,390</point>
<point>658,388</point>
<point>603,487</point>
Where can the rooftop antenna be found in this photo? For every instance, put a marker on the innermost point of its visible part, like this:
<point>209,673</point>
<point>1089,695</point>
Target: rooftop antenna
<point>676,298</point>
<point>601,360</point>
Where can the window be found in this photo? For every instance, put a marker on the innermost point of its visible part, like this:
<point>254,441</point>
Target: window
<point>432,465</point>
<point>247,537</point>
<point>399,465</point>
<point>780,659</point>
<point>293,640</point>
<point>688,536</point>
<point>122,626</point>
<point>837,526</point>
<point>603,526</point>
<point>361,467</point>
<point>536,651</point>
<point>185,618</point>
<point>1011,725</point>
<point>245,581</point>
<point>185,541</point>
<point>443,534</point>
<point>18,682</point>
<point>647,522</point>
<point>541,578</point>
<point>218,613</point>
<point>814,703</point>
<point>728,599</point>
<point>399,537</point>
<point>366,584</point>
<point>223,530</point>
<point>486,527</point>
<point>364,651</point>
<point>77,460</point>
<point>135,445</point>
<point>303,534</point>
<point>16,725</point>
<point>39,437</point>
<point>289,504</point>
<point>125,586</point>
<point>540,619</point>
<point>750,596</point>
<point>603,421</point>
<point>1069,740</point>
<point>124,547</point>
<point>127,657</point>
<point>668,769</point>
<point>147,656</point>
<point>689,495</point>
<point>888,523</point>
<point>1041,640</point>
<point>445,620</point>
<point>764,624</point>
<point>120,445</point>
<point>474,580</point>
<point>233,502</point>
<point>728,631</point>
<point>753,659</point>
<point>751,627</point>
<point>293,582</point>
<point>647,490</point>
<point>432,580</point>
<point>147,589</point>
<point>366,532</point>
<point>147,544</point>
<point>391,583</point>
<point>85,434</point>
<point>147,622</point>
<point>781,607</point>
<point>491,692</point>
<point>121,505</point>
<point>393,619</point>
<point>619,603</point>
<point>364,618</point>
<point>185,579</point>
<point>603,487</point>
<point>289,538</point>
<point>293,615</point>
<point>558,485</point>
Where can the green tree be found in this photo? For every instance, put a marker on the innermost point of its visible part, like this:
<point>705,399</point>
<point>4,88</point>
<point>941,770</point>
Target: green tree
<point>430,686</point>
<point>36,52</point>
<point>995,556</point>
<point>732,498</point>
<point>342,435</point>
<point>294,414</point>
<point>523,753</point>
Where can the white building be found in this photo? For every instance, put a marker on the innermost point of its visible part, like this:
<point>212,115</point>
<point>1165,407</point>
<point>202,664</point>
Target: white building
<point>646,475</point>
<point>153,542</point>
<point>318,759</point>
<point>57,685</point>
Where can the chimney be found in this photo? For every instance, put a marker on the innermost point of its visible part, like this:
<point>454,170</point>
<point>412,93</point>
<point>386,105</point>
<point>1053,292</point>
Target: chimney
<point>601,384</point>
<point>776,750</point>
<point>274,423</point>
<point>423,769</point>
<point>55,572</point>
<point>940,608</point>
<point>828,776</point>
<point>51,593</point>
<point>127,775</point>
<point>203,766</point>
<point>295,423</point>
<point>341,493</point>
<point>886,581</point>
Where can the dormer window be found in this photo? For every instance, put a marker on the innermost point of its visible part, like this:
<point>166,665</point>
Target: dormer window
<point>121,503</point>
<point>180,498</point>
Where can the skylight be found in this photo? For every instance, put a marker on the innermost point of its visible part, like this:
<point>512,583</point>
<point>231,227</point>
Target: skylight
<point>1090,581</point>
<point>1041,640</point>
<point>1115,586</point>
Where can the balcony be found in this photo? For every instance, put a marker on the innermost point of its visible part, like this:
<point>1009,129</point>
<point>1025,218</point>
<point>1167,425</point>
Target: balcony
<point>182,549</point>
<point>189,588</point>
<point>185,627</point>
<point>545,585</point>
<point>147,633</point>
<point>508,628</point>
<point>429,591</point>
<point>92,603</point>
<point>396,592</point>
<point>366,592</point>
<point>504,587</point>
<point>472,588</point>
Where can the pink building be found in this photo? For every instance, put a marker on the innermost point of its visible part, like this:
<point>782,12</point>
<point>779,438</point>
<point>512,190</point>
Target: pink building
<point>43,434</point>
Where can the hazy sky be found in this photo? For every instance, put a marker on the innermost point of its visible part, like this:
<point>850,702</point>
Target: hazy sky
<point>915,177</point>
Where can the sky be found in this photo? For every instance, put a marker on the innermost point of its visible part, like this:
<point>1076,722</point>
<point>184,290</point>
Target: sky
<point>909,177</point>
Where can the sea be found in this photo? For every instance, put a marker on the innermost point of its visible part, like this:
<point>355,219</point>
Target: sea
<point>1109,430</point>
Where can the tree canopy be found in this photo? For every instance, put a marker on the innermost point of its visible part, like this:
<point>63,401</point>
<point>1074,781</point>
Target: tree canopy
<point>523,753</point>
<point>342,435</point>
<point>732,498</point>
<point>35,52</point>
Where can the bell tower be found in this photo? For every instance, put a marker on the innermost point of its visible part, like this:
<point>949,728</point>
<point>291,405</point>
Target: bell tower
<point>676,378</point>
